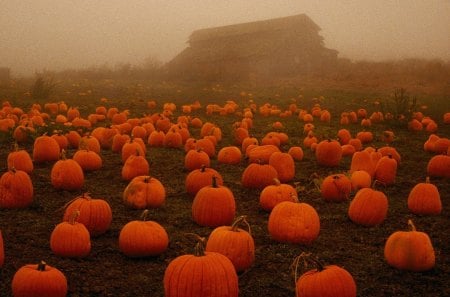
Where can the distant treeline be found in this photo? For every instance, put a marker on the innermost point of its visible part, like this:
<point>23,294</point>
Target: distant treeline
<point>415,69</point>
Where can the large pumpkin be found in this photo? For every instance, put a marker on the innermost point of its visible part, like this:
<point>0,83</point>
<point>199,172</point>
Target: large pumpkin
<point>294,222</point>
<point>276,193</point>
<point>144,192</point>
<point>38,280</point>
<point>202,274</point>
<point>45,149</point>
<point>143,238</point>
<point>323,280</point>
<point>95,214</point>
<point>235,243</point>
<point>410,250</point>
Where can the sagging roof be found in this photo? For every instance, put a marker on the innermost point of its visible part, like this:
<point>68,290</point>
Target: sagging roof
<point>283,23</point>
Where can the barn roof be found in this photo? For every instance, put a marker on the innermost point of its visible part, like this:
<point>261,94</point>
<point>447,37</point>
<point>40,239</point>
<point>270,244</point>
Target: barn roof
<point>283,23</point>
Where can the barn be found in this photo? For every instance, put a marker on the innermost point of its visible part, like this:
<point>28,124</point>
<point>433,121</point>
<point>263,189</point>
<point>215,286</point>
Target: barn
<point>262,49</point>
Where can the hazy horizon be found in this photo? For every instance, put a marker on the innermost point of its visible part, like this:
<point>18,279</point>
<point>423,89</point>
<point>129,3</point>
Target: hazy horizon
<point>68,34</point>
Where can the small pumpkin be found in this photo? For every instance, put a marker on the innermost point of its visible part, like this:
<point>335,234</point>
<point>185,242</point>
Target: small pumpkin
<point>135,165</point>
<point>195,159</point>
<point>199,178</point>
<point>20,160</point>
<point>235,243</point>
<point>336,188</point>
<point>38,280</point>
<point>88,160</point>
<point>328,153</point>
<point>229,155</point>
<point>45,149</point>
<point>294,222</point>
<point>144,192</point>
<point>410,250</point>
<point>284,165</point>
<point>276,193</point>
<point>368,208</point>
<point>424,199</point>
<point>143,238</point>
<point>439,166</point>
<point>258,176</point>
<point>386,170</point>
<point>67,174</point>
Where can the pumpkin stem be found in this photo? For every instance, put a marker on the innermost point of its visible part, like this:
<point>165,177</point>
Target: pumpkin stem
<point>203,168</point>
<point>41,266</point>
<point>306,259</point>
<point>63,154</point>
<point>276,182</point>
<point>199,249</point>
<point>411,225</point>
<point>214,182</point>
<point>241,219</point>
<point>427,180</point>
<point>376,182</point>
<point>74,217</point>
<point>144,214</point>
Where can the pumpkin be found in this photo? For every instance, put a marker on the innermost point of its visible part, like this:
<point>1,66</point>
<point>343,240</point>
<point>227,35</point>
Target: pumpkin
<point>16,189</point>
<point>213,205</point>
<point>173,139</point>
<point>38,280</point>
<point>271,195</point>
<point>199,178</point>
<point>20,160</point>
<point>368,208</point>
<point>195,159</point>
<point>362,161</point>
<point>323,280</point>
<point>206,145</point>
<point>61,140</point>
<point>360,179</point>
<point>439,166</point>
<point>386,170</point>
<point>344,136</point>
<point>132,147</point>
<point>144,192</point>
<point>202,274</point>
<point>328,153</point>
<point>261,153</point>
<point>296,152</point>
<point>336,188</point>
<point>95,214</point>
<point>45,149</point>
<point>258,176</point>
<point>135,165</point>
<point>229,155</point>
<point>284,165</point>
<point>294,222</point>
<point>73,137</point>
<point>424,199</point>
<point>143,238</point>
<point>67,174</point>
<point>70,239</point>
<point>156,139</point>
<point>409,250</point>
<point>88,160</point>
<point>235,243</point>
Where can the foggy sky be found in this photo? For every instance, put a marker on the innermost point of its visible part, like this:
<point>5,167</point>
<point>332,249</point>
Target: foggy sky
<point>58,34</point>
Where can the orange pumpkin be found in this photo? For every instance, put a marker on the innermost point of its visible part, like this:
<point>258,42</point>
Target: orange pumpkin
<point>424,199</point>
<point>410,250</point>
<point>144,192</point>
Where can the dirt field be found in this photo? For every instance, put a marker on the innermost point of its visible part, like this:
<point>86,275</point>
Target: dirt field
<point>107,272</point>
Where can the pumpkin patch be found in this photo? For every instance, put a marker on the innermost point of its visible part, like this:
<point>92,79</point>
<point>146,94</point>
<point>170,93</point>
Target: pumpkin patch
<point>253,171</point>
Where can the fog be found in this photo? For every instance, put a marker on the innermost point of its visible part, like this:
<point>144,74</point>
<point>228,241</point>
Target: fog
<point>60,34</point>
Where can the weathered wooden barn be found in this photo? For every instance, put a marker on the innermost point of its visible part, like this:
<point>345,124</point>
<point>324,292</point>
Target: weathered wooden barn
<point>262,49</point>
